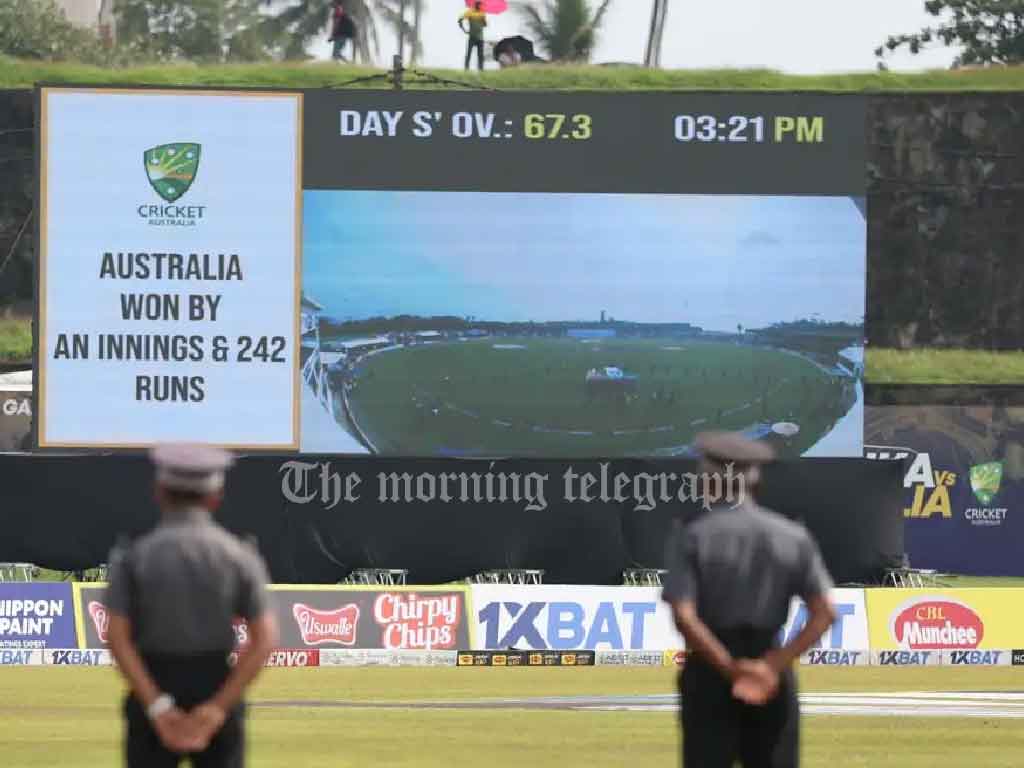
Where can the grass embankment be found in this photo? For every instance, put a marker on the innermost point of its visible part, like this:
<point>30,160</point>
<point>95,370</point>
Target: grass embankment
<point>943,366</point>
<point>25,74</point>
<point>949,581</point>
<point>15,340</point>
<point>69,717</point>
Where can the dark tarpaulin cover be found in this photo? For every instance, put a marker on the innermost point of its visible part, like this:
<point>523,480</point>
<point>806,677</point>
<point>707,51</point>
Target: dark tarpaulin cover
<point>65,512</point>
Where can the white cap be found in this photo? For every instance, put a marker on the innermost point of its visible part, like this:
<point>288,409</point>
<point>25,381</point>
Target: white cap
<point>196,468</point>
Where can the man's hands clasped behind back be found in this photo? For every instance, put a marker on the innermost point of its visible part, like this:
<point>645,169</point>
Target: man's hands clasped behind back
<point>185,732</point>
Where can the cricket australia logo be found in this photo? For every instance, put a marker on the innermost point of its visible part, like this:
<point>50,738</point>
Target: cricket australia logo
<point>171,168</point>
<point>985,481</point>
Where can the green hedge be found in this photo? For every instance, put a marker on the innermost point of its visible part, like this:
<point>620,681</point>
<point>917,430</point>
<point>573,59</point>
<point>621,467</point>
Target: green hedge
<point>25,74</point>
<point>15,340</point>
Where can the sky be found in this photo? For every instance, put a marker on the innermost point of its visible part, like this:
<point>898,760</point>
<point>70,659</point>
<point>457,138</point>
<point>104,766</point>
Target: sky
<point>797,36</point>
<point>713,261</point>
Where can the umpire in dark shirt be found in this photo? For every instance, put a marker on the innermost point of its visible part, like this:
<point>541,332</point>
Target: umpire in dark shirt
<point>172,597</point>
<point>732,574</point>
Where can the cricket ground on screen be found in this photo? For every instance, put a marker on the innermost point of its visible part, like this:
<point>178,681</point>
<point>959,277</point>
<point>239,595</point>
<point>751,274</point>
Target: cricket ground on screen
<point>529,324</point>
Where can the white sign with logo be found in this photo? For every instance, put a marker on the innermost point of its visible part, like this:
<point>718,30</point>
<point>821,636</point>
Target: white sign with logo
<point>78,657</point>
<point>21,657</point>
<point>572,618</point>
<point>976,658</point>
<point>169,268</point>
<point>630,658</point>
<point>621,619</point>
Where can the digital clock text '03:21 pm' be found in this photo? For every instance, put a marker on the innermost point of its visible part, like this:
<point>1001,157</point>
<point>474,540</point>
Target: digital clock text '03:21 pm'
<point>739,129</point>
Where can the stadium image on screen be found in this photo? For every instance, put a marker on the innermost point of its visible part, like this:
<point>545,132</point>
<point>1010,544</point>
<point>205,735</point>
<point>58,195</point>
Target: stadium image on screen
<point>511,324</point>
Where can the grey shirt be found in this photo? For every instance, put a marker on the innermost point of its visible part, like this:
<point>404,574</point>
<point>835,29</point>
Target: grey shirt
<point>183,583</point>
<point>742,567</point>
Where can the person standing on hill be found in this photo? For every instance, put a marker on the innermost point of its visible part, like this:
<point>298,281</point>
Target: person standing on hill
<point>172,598</point>
<point>731,575</point>
<point>342,30</point>
<point>473,22</point>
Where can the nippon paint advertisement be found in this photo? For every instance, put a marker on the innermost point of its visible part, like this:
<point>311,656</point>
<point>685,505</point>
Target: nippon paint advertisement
<point>34,616</point>
<point>622,619</point>
<point>949,620</point>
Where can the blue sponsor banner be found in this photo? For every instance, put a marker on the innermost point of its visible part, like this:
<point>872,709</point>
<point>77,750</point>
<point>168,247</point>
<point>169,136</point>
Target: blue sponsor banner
<point>964,483</point>
<point>37,615</point>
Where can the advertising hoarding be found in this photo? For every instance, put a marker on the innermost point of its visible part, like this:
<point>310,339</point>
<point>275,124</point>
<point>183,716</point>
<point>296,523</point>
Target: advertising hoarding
<point>925,620</point>
<point>622,619</point>
<point>964,483</point>
<point>37,615</point>
<point>15,411</point>
<point>335,617</point>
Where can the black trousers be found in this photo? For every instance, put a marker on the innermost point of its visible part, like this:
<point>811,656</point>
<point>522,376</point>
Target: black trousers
<point>479,45</point>
<point>719,730</point>
<point>191,680</point>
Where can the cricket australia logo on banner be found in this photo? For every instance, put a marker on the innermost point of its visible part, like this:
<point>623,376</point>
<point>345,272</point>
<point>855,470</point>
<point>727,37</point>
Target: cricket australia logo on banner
<point>171,169</point>
<point>985,482</point>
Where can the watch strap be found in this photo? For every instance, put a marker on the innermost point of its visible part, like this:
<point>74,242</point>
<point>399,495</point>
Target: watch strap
<point>161,704</point>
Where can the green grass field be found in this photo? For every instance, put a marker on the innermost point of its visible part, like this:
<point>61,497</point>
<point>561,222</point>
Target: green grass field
<point>943,366</point>
<point>68,717</point>
<point>527,396</point>
<point>15,340</point>
<point>25,74</point>
<point>980,582</point>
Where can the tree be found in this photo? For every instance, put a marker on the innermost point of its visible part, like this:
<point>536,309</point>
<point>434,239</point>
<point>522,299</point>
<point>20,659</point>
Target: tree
<point>417,29</point>
<point>989,31</point>
<point>565,29</point>
<point>391,13</point>
<point>295,27</point>
<point>38,29</point>
<point>299,24</point>
<point>193,30</point>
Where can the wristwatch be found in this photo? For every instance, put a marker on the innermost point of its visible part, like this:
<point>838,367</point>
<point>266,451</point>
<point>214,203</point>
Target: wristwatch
<point>161,704</point>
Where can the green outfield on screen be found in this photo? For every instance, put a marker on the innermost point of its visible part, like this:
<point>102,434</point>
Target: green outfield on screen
<point>68,717</point>
<point>527,396</point>
<point>943,366</point>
